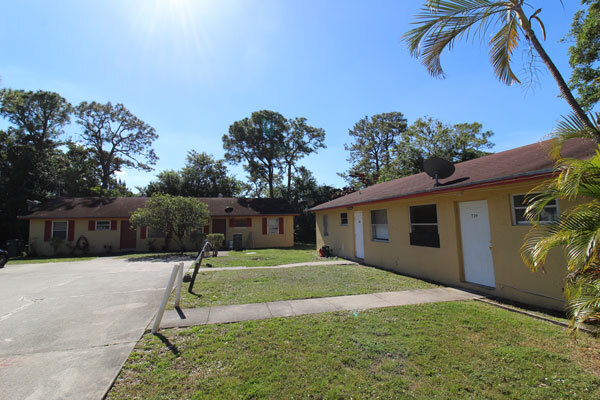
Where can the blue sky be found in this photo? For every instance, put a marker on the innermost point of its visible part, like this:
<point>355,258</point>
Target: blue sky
<point>191,68</point>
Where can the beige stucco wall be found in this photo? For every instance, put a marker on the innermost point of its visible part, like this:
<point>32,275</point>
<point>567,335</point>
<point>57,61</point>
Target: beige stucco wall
<point>101,242</point>
<point>445,264</point>
<point>252,237</point>
<point>108,242</point>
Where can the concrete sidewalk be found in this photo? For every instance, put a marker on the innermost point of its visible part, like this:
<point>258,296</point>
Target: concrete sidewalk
<point>304,264</point>
<point>290,308</point>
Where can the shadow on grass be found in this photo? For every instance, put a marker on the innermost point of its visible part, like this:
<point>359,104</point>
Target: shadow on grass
<point>162,258</point>
<point>172,348</point>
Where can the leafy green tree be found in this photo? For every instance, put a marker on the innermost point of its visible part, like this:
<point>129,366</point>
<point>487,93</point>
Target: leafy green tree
<point>428,137</point>
<point>259,142</point>
<point>39,116</point>
<point>168,182</point>
<point>174,215</point>
<point>29,151</point>
<point>371,152</point>
<point>203,176</point>
<point>584,54</point>
<point>270,146</point>
<point>576,231</point>
<point>301,140</point>
<point>256,187</point>
<point>80,176</point>
<point>116,138</point>
<point>304,193</point>
<point>440,23</point>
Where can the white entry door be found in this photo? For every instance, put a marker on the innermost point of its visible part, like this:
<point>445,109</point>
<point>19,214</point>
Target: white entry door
<point>359,243</point>
<point>476,242</point>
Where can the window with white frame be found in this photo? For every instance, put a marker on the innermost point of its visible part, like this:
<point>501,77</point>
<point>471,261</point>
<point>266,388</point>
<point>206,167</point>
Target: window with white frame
<point>379,225</point>
<point>155,233</point>
<point>59,229</point>
<point>273,226</point>
<point>325,225</point>
<point>344,219</point>
<point>519,205</point>
<point>103,225</point>
<point>424,226</point>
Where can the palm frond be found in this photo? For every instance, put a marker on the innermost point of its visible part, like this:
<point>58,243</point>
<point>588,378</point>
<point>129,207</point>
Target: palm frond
<point>583,295</point>
<point>503,44</point>
<point>571,127</point>
<point>440,23</point>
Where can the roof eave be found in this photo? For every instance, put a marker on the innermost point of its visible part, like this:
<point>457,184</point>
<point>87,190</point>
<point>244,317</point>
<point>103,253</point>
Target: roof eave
<point>436,190</point>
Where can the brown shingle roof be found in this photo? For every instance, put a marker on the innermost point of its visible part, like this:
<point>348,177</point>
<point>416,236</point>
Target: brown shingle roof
<point>122,207</point>
<point>527,161</point>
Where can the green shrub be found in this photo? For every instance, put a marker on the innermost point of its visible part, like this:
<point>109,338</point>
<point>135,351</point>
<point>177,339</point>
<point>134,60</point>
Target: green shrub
<point>216,240</point>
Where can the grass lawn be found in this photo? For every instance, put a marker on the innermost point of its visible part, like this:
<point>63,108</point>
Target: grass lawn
<point>246,258</point>
<point>434,351</point>
<point>259,285</point>
<point>268,257</point>
<point>32,260</point>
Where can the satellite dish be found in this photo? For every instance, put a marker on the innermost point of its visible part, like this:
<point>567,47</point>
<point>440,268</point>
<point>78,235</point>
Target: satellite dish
<point>228,210</point>
<point>438,168</point>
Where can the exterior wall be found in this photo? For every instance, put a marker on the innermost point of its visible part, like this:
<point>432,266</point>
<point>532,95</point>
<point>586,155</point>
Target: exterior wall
<point>100,242</point>
<point>445,264</point>
<point>252,237</point>
<point>108,242</point>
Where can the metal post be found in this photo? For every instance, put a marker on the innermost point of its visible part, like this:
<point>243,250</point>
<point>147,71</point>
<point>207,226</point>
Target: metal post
<point>197,264</point>
<point>179,284</point>
<point>165,299</point>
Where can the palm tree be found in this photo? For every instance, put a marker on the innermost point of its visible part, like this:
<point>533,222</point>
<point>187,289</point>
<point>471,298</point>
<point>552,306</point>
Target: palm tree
<point>441,23</point>
<point>577,231</point>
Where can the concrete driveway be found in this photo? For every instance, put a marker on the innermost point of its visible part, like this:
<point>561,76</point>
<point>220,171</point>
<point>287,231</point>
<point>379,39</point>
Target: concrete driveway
<point>67,328</point>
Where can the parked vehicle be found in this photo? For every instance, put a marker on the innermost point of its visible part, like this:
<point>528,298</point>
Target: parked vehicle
<point>3,258</point>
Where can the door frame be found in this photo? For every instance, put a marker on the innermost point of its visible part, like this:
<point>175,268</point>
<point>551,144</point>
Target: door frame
<point>125,225</point>
<point>362,234</point>
<point>488,245</point>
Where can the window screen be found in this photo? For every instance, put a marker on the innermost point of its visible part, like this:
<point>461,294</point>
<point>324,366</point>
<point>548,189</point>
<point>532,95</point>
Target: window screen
<point>424,226</point>
<point>379,225</point>
<point>59,230</point>
<point>519,205</point>
<point>344,218</point>
<point>102,225</point>
<point>325,225</point>
<point>273,226</point>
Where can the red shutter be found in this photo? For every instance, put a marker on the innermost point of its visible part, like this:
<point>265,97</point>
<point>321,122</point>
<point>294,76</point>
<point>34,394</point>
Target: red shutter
<point>47,230</point>
<point>248,222</point>
<point>113,225</point>
<point>91,225</point>
<point>264,226</point>
<point>281,225</point>
<point>143,232</point>
<point>206,228</point>
<point>231,222</point>
<point>71,233</point>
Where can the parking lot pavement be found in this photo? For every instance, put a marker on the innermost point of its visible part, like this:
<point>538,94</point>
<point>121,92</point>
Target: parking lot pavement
<point>67,328</point>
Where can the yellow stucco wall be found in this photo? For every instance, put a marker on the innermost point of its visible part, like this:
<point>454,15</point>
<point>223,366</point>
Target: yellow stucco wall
<point>252,237</point>
<point>108,242</point>
<point>445,264</point>
<point>100,242</point>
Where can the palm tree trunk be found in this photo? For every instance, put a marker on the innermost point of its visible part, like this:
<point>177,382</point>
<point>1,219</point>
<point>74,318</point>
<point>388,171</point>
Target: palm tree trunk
<point>562,85</point>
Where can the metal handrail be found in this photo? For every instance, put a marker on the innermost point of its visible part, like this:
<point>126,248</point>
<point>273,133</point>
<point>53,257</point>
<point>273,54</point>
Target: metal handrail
<point>198,262</point>
<point>176,276</point>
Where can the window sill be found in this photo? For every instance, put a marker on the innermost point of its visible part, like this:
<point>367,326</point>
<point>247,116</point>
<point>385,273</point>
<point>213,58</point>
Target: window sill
<point>426,246</point>
<point>380,240</point>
